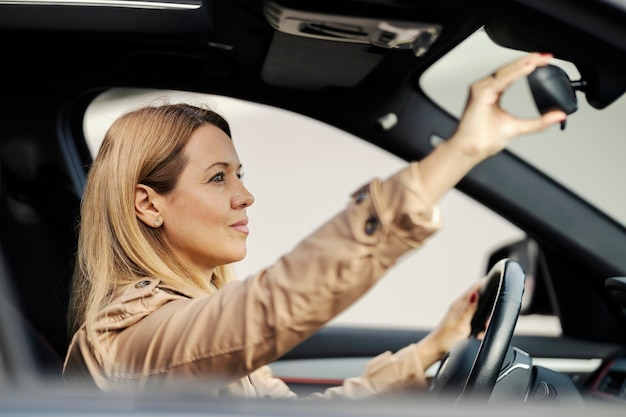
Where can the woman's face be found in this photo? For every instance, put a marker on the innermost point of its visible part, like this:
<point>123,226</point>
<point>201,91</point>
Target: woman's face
<point>204,217</point>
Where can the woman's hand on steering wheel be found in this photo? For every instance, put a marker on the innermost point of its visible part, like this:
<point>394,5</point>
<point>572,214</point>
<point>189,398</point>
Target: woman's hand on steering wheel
<point>454,327</point>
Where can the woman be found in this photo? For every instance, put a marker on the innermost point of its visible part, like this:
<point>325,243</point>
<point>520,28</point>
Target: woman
<point>164,214</point>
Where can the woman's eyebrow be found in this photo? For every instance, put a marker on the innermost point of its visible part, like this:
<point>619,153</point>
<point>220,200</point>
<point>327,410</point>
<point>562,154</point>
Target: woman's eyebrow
<point>223,164</point>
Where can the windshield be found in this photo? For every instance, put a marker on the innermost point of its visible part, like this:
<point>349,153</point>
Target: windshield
<point>585,157</point>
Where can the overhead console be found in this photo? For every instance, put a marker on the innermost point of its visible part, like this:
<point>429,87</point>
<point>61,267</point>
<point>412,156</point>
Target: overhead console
<point>383,33</point>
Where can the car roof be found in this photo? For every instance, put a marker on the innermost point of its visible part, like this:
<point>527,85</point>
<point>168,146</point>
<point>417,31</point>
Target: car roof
<point>231,40</point>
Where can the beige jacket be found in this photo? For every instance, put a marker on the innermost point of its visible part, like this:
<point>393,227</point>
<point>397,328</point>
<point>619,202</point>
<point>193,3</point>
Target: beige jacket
<point>159,337</point>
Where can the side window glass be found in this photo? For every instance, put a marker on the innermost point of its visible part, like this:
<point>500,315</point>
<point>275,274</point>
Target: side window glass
<point>301,173</point>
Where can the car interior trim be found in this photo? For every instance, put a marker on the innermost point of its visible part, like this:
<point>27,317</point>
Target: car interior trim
<point>569,365</point>
<point>341,368</point>
<point>131,4</point>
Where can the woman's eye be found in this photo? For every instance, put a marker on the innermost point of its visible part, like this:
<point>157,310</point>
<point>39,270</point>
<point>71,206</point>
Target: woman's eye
<point>240,176</point>
<point>219,177</point>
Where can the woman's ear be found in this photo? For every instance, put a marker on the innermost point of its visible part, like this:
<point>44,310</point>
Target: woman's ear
<point>145,207</point>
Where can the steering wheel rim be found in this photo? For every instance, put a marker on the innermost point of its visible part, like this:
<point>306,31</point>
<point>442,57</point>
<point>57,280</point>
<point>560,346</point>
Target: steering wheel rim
<point>500,302</point>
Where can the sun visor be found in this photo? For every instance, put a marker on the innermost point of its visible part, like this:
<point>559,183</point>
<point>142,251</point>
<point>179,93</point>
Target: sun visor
<point>312,64</point>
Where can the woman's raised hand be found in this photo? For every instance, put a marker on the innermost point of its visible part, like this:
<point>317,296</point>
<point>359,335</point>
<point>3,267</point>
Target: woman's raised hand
<point>485,128</point>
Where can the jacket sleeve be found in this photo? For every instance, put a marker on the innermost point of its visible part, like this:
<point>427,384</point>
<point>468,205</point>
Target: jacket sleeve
<point>250,323</point>
<point>385,374</point>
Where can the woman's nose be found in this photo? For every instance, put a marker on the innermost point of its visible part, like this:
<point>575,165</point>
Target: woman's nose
<point>243,199</point>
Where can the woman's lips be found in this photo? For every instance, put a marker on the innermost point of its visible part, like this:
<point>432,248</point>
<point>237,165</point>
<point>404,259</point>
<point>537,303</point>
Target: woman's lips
<point>241,226</point>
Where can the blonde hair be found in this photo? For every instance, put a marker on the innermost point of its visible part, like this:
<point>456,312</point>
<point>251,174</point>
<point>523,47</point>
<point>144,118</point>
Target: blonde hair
<point>115,248</point>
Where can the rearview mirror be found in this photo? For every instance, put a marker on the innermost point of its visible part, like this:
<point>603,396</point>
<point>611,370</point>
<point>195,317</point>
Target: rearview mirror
<point>553,90</point>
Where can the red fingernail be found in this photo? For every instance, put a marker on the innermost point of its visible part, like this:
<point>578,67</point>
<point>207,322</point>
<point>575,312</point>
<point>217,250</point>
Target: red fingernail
<point>545,54</point>
<point>473,297</point>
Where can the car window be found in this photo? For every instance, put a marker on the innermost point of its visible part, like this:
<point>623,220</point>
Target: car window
<point>302,172</point>
<point>588,152</point>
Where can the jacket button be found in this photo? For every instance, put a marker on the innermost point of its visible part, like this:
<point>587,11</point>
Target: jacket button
<point>142,284</point>
<point>371,225</point>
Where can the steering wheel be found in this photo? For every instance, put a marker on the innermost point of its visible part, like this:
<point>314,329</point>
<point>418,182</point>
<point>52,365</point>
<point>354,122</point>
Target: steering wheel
<point>470,369</point>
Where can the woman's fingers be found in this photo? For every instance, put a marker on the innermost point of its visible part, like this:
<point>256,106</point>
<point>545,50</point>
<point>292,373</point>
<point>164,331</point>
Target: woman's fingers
<point>456,324</point>
<point>504,76</point>
<point>485,127</point>
<point>541,123</point>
